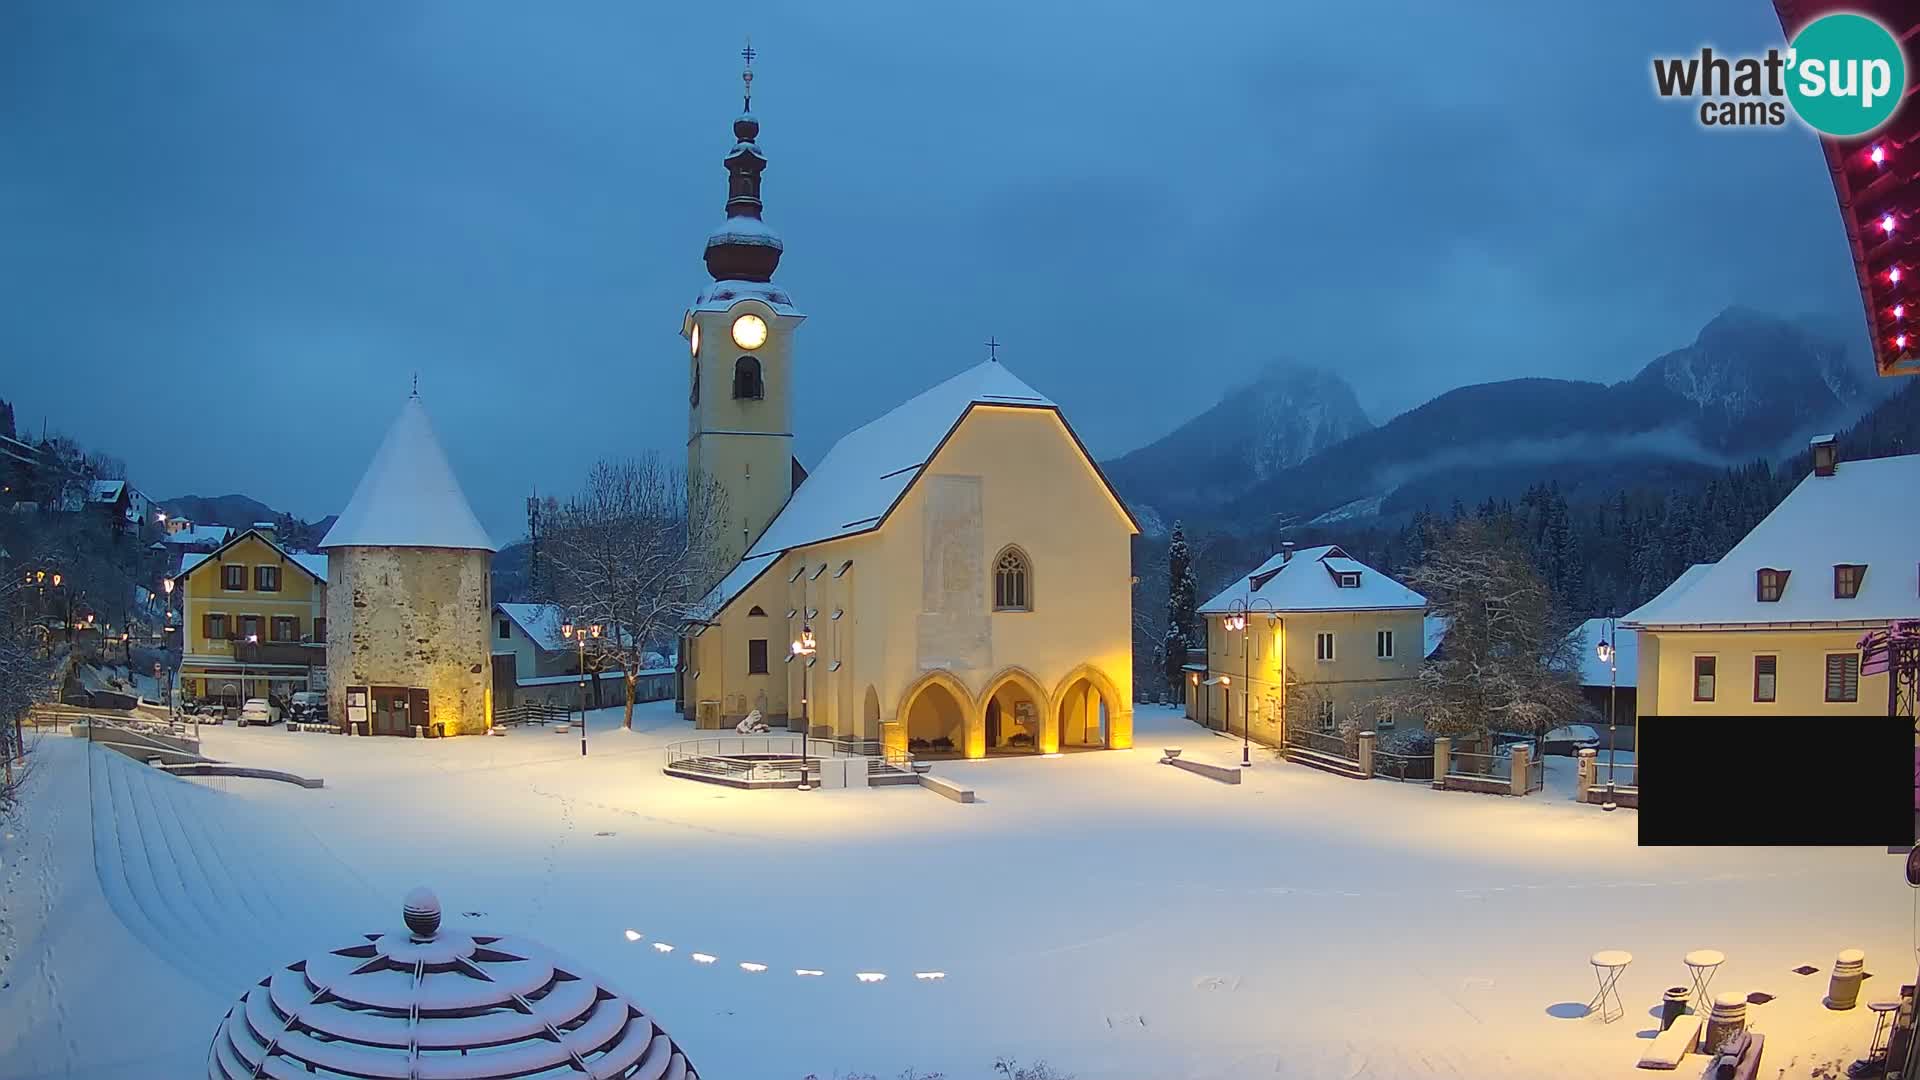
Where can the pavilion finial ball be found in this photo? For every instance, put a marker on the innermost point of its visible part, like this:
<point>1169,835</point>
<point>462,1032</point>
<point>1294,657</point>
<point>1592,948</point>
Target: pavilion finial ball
<point>422,912</point>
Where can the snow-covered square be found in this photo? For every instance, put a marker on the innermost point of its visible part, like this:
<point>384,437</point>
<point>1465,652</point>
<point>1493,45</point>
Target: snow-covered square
<point>1103,912</point>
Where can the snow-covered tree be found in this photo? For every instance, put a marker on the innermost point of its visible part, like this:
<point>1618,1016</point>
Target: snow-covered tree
<point>628,554</point>
<point>1181,601</point>
<point>1508,662</point>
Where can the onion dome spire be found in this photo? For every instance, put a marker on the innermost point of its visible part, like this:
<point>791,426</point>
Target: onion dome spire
<point>744,249</point>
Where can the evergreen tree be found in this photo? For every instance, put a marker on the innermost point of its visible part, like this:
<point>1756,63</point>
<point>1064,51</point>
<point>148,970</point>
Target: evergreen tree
<point>1181,602</point>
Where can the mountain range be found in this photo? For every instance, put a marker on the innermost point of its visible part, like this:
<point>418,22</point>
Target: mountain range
<point>240,511</point>
<point>1750,386</point>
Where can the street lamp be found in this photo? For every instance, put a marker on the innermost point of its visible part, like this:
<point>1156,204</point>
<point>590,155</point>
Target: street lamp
<point>804,649</point>
<point>253,642</point>
<point>1236,621</point>
<point>1610,657</point>
<point>579,636</point>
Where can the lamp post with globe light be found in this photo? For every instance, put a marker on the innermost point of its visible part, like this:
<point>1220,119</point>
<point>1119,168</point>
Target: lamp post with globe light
<point>579,635</point>
<point>1609,655</point>
<point>803,650</point>
<point>1236,621</point>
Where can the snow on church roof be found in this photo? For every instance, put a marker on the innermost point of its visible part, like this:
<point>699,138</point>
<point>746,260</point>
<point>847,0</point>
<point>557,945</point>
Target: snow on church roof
<point>1861,515</point>
<point>722,295</point>
<point>865,473</point>
<point>1303,583</point>
<point>409,496</point>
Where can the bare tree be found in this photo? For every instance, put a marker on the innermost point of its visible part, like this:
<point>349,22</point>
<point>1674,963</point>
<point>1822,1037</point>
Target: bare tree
<point>29,672</point>
<point>1507,663</point>
<point>630,553</point>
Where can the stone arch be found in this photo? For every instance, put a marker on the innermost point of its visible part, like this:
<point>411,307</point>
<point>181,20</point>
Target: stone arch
<point>959,724</point>
<point>1118,732</point>
<point>1004,689</point>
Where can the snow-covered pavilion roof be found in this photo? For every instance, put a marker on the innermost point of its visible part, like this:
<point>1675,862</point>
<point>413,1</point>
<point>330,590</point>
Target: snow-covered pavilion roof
<point>424,1001</point>
<point>409,496</point>
<point>865,474</point>
<point>1864,514</point>
<point>1307,583</point>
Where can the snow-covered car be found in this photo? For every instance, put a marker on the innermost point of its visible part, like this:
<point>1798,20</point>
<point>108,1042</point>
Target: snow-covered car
<point>308,707</point>
<point>258,711</point>
<point>1571,739</point>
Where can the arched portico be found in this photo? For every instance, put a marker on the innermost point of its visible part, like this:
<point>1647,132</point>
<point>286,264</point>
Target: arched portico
<point>938,716</point>
<point>1089,711</point>
<point>1014,712</point>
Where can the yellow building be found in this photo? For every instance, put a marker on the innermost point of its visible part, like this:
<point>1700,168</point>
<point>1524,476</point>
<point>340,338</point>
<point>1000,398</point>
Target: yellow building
<point>1314,627</point>
<point>253,620</point>
<point>960,564</point>
<point>1775,626</point>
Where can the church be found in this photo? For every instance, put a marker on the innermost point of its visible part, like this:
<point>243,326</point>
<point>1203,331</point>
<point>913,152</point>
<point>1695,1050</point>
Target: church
<point>953,578</point>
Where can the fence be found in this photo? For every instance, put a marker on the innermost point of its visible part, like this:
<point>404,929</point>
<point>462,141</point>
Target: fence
<point>1405,767</point>
<point>530,712</point>
<point>1322,742</point>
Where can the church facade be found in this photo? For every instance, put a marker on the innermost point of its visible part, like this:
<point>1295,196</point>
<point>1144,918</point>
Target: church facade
<point>952,579</point>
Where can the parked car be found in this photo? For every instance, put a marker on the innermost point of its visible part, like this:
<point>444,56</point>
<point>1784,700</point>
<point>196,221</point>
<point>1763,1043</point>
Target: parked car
<point>1572,739</point>
<point>307,707</point>
<point>258,711</point>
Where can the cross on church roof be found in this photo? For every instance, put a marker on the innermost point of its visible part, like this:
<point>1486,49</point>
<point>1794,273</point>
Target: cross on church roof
<point>746,75</point>
<point>416,384</point>
<point>993,349</point>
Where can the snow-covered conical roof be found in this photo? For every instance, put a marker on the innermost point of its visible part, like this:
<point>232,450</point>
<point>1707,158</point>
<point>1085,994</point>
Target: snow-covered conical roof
<point>422,1001</point>
<point>409,496</point>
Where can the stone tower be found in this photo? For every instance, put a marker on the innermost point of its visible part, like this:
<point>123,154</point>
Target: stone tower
<point>409,594</point>
<point>739,336</point>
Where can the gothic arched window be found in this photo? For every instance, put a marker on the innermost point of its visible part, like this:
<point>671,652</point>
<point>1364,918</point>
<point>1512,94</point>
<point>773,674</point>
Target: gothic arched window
<point>1012,581</point>
<point>746,379</point>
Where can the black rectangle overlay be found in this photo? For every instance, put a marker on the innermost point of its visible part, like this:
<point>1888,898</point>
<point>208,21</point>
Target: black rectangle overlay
<point>1728,781</point>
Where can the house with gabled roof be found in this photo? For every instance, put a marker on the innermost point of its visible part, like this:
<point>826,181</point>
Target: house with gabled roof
<point>1775,625</point>
<point>253,620</point>
<point>1316,627</point>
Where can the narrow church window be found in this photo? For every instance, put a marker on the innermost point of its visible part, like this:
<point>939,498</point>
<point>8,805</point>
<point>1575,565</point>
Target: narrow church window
<point>693,397</point>
<point>746,379</point>
<point>1011,588</point>
<point>757,656</point>
<point>757,611</point>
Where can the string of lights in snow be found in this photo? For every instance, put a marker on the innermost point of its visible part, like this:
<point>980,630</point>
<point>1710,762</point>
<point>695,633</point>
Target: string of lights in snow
<point>755,968</point>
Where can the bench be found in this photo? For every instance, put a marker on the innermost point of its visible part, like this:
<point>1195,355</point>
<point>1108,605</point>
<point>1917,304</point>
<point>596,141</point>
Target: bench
<point>1673,1044</point>
<point>1226,774</point>
<point>940,785</point>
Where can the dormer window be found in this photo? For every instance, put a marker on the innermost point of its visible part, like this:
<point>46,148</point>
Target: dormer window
<point>1770,584</point>
<point>1257,581</point>
<point>1347,581</point>
<point>1846,580</point>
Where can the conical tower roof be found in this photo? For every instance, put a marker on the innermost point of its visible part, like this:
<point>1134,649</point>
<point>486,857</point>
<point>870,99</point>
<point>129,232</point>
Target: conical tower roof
<point>409,496</point>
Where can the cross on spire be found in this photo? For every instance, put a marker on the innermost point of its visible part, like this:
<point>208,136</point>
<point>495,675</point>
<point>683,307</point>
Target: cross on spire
<point>416,384</point>
<point>746,76</point>
<point>993,349</point>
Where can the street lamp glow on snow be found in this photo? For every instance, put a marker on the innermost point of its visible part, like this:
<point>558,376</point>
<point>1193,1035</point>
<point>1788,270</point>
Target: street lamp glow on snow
<point>633,935</point>
<point>808,972</point>
<point>704,958</point>
<point>871,976</point>
<point>748,965</point>
<point>661,946</point>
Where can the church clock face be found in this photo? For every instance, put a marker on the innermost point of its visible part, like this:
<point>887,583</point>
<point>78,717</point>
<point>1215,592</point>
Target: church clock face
<point>693,339</point>
<point>749,332</point>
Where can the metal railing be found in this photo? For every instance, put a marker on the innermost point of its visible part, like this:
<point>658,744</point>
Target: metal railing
<point>1625,774</point>
<point>532,712</point>
<point>1536,773</point>
<point>1481,766</point>
<point>1406,767</point>
<point>1322,742</point>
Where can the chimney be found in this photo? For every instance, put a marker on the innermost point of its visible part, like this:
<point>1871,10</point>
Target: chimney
<point>266,529</point>
<point>1826,454</point>
<point>1286,553</point>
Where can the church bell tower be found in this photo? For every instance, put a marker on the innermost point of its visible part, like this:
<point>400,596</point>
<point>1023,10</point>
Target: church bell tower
<point>739,336</point>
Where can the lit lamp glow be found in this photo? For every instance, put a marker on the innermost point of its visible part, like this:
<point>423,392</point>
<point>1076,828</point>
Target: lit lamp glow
<point>804,648</point>
<point>1609,656</point>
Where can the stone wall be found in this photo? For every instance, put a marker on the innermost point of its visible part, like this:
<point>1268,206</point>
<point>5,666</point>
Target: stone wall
<point>412,617</point>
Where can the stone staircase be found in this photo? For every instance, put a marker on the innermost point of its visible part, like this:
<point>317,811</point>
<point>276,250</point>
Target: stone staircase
<point>1314,759</point>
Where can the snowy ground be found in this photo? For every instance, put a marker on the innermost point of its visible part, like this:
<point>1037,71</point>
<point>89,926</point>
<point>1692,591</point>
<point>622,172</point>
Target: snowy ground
<point>1116,917</point>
